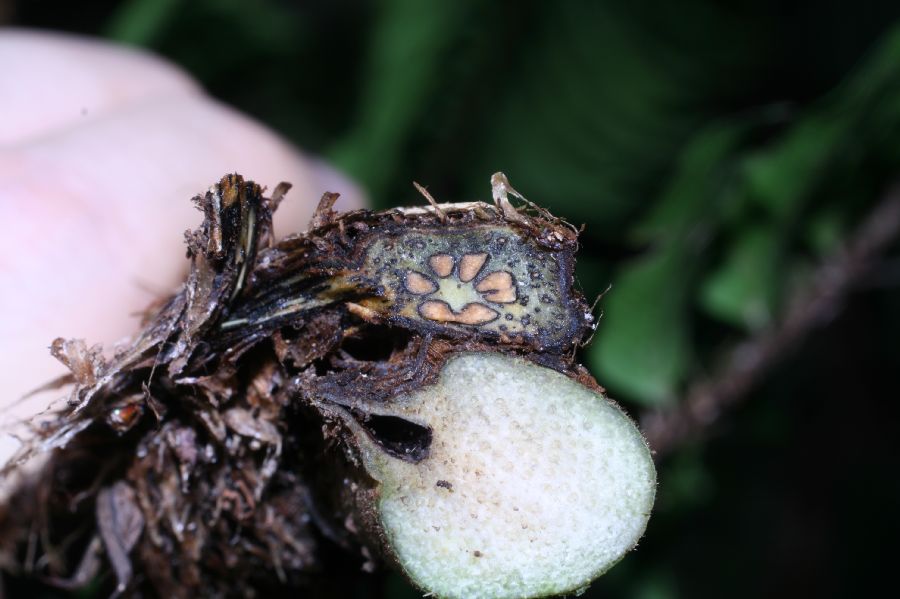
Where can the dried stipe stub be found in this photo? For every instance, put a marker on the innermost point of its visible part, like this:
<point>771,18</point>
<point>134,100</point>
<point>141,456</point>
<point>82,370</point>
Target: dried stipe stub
<point>397,384</point>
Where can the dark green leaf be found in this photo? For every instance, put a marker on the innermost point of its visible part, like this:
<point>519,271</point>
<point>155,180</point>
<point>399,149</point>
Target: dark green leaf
<point>642,348</point>
<point>741,291</point>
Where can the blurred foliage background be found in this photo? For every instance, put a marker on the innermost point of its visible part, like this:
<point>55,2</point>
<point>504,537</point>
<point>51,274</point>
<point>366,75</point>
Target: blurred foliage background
<point>716,152</point>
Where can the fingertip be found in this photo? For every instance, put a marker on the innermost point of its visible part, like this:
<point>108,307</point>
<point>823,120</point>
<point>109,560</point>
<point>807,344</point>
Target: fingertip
<point>55,80</point>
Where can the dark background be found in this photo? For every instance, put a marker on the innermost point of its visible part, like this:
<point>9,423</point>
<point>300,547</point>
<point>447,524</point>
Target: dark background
<point>718,153</point>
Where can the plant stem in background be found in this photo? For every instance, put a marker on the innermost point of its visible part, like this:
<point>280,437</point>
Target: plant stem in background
<point>812,307</point>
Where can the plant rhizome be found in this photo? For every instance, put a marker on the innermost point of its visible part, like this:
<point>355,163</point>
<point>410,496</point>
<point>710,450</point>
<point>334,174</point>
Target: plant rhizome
<point>393,386</point>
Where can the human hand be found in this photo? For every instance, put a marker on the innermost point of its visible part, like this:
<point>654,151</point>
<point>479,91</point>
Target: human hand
<point>101,148</point>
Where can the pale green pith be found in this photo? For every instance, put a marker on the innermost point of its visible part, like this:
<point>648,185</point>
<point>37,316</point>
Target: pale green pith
<point>534,485</point>
<point>458,294</point>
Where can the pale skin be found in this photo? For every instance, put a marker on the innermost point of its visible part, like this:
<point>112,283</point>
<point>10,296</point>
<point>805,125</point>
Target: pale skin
<point>101,148</point>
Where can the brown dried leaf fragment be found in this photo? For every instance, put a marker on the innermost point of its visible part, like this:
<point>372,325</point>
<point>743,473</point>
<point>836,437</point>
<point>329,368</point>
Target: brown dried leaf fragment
<point>243,423</point>
<point>324,213</point>
<point>86,365</point>
<point>120,522</point>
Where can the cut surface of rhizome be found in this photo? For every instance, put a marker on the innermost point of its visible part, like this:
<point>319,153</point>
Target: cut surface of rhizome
<point>533,485</point>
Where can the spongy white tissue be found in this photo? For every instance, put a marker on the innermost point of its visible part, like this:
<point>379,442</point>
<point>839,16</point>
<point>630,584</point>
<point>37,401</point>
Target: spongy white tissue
<point>534,484</point>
